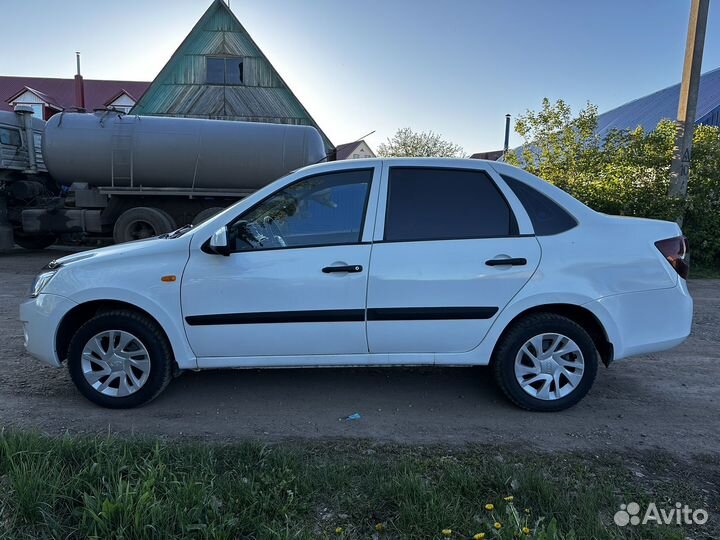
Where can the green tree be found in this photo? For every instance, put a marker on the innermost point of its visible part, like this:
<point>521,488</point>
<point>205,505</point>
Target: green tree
<point>627,172</point>
<point>409,143</point>
<point>557,144</point>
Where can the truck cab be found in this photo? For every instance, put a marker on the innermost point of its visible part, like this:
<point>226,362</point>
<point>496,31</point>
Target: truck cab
<point>20,140</point>
<point>24,179</point>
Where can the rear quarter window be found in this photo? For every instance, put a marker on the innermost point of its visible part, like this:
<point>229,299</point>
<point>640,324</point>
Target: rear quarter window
<point>547,216</point>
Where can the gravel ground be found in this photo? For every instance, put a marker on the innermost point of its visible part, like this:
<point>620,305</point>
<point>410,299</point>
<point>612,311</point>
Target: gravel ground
<point>668,401</point>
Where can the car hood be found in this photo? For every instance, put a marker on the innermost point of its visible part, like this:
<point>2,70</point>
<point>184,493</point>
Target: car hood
<point>147,247</point>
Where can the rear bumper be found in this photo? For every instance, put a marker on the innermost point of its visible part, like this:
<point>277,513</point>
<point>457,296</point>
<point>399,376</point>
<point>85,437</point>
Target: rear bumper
<point>647,321</point>
<point>40,318</point>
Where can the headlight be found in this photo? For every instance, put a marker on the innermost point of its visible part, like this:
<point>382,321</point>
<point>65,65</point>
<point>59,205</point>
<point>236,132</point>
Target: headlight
<point>41,282</point>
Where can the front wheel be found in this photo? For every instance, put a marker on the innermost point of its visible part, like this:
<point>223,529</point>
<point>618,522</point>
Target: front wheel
<point>545,362</point>
<point>120,359</point>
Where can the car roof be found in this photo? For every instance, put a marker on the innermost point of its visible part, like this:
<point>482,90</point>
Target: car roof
<point>561,197</point>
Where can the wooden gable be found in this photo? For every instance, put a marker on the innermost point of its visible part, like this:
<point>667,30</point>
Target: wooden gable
<point>181,87</point>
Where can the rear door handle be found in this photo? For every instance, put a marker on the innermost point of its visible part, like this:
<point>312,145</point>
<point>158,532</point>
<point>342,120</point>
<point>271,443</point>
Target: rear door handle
<point>350,268</point>
<point>518,261</point>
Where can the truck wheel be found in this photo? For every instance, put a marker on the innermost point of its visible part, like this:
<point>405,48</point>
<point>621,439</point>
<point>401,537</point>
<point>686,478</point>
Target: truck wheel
<point>545,362</point>
<point>206,214</point>
<point>142,222</point>
<point>34,241</point>
<point>120,359</point>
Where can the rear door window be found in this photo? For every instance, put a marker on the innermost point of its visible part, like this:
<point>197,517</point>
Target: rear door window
<point>445,204</point>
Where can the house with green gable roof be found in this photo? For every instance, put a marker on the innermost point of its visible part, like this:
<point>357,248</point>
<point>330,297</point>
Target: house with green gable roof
<point>219,72</point>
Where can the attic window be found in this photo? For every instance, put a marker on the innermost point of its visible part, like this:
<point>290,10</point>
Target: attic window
<point>227,70</point>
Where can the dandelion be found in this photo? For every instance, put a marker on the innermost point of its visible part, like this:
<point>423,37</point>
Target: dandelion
<point>527,510</point>
<point>379,527</point>
<point>446,532</point>
<point>497,525</point>
<point>526,530</point>
<point>479,536</point>
<point>489,507</point>
<point>338,530</point>
<point>509,498</point>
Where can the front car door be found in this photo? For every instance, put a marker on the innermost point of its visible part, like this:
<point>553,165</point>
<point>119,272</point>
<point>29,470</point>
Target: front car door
<point>295,283</point>
<point>452,246</point>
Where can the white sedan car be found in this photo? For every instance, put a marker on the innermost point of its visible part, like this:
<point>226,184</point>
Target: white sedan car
<point>380,262</point>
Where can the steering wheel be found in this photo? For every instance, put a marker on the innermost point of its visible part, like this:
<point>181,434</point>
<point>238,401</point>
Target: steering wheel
<point>277,236</point>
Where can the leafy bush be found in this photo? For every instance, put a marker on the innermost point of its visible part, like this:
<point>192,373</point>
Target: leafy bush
<point>628,172</point>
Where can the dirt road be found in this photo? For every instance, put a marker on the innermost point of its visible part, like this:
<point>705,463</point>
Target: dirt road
<point>667,401</point>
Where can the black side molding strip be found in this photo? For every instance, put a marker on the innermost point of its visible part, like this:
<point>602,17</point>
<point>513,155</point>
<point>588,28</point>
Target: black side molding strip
<point>327,315</point>
<point>345,315</point>
<point>430,314</point>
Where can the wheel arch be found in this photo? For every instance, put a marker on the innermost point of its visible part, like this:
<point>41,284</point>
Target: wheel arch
<point>579,314</point>
<point>82,313</point>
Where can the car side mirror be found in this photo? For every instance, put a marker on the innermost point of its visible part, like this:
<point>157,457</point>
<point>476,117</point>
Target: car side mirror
<point>219,242</point>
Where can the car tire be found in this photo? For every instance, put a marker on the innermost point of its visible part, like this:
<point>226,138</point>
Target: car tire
<point>151,353</point>
<point>142,222</point>
<point>532,370</point>
<point>206,214</point>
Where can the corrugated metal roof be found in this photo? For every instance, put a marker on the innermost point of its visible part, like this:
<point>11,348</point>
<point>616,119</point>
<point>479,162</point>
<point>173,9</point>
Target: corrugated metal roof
<point>649,110</point>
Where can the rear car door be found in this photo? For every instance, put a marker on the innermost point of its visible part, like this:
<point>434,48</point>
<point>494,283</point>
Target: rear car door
<point>452,246</point>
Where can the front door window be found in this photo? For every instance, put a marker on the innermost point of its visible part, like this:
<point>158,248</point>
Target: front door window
<point>322,210</point>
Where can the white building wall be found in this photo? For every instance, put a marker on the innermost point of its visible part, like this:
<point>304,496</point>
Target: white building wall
<point>123,103</point>
<point>32,100</point>
<point>362,151</point>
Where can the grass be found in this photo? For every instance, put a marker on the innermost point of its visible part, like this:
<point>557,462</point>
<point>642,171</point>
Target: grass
<point>105,487</point>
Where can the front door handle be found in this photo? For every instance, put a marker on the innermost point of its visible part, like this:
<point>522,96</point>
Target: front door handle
<point>350,268</point>
<point>518,261</point>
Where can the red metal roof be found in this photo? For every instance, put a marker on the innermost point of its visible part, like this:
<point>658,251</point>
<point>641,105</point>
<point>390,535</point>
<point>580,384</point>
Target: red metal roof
<point>61,92</point>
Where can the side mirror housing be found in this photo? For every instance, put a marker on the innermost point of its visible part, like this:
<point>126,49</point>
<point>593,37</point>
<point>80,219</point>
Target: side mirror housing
<point>219,242</point>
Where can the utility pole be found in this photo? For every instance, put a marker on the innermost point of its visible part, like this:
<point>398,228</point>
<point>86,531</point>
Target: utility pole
<point>506,145</point>
<point>680,168</point>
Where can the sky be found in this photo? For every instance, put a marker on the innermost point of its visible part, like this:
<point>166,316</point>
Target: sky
<point>455,67</point>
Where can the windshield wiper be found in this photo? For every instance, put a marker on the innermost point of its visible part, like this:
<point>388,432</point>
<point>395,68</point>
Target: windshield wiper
<point>178,232</point>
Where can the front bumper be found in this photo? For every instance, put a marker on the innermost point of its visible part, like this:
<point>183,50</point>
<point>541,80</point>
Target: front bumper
<point>40,318</point>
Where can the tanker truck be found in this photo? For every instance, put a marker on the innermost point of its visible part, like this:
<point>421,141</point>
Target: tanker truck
<point>108,175</point>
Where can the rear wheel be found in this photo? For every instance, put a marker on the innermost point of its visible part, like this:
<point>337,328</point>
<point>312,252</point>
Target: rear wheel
<point>142,222</point>
<point>120,359</point>
<point>34,241</point>
<point>545,362</point>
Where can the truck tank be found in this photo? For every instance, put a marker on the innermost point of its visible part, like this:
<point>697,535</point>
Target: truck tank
<point>107,149</point>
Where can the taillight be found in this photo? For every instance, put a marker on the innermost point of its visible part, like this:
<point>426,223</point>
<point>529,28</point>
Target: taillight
<point>675,250</point>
